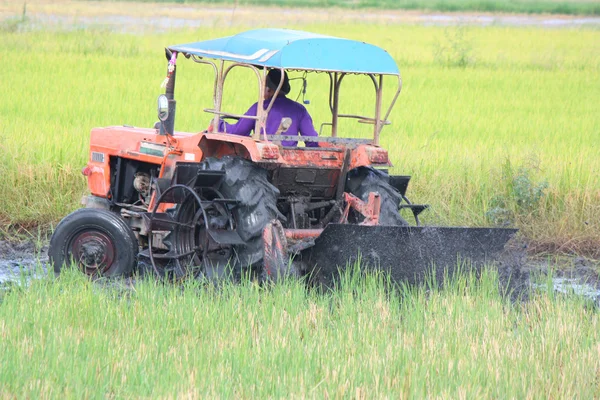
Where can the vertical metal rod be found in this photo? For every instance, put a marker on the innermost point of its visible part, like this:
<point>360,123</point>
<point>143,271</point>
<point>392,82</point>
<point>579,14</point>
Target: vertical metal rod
<point>262,80</point>
<point>168,126</point>
<point>378,124</point>
<point>293,213</point>
<point>219,96</point>
<point>341,187</point>
<point>336,101</point>
<point>387,114</point>
<point>331,80</point>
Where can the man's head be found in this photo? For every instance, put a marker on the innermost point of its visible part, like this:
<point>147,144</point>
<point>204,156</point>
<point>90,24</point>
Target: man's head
<point>273,80</point>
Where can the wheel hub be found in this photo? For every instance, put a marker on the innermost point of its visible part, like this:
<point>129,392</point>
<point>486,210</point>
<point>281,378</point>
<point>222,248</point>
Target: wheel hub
<point>94,251</point>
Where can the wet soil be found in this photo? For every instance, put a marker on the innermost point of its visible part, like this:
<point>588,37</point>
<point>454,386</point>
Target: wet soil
<point>21,257</point>
<point>568,274</point>
<point>518,272</point>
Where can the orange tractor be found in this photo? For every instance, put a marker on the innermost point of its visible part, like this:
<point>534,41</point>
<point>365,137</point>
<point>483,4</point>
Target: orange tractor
<point>214,203</point>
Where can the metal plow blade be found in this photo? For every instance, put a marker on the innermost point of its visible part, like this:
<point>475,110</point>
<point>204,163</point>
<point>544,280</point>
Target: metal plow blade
<point>408,254</point>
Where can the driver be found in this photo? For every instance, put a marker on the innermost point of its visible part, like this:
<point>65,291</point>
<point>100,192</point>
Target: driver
<point>282,107</point>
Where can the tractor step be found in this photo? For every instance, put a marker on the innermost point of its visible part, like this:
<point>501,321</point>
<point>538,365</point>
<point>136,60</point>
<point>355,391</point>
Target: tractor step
<point>170,255</point>
<point>415,208</point>
<point>222,236</point>
<point>191,174</point>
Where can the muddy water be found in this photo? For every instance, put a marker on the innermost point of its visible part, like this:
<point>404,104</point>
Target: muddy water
<point>21,258</point>
<point>517,273</point>
<point>567,275</point>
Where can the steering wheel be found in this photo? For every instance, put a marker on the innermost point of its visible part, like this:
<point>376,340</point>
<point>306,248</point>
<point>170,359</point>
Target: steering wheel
<point>227,116</point>
<point>222,115</point>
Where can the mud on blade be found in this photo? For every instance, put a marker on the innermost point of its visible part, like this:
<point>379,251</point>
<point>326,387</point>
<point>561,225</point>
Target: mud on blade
<point>407,253</point>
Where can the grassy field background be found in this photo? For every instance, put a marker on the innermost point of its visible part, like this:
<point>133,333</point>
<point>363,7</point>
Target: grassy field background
<point>71,338</point>
<point>497,125</point>
<point>581,7</point>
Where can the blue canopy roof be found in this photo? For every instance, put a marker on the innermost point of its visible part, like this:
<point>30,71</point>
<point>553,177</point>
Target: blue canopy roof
<point>289,49</point>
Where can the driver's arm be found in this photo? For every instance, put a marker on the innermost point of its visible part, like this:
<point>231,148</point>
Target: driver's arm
<point>243,127</point>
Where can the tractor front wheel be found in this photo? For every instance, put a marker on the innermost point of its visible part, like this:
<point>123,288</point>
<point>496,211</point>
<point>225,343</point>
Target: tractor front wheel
<point>96,241</point>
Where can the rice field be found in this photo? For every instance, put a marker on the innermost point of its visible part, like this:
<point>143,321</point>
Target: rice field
<point>72,338</point>
<point>497,125</point>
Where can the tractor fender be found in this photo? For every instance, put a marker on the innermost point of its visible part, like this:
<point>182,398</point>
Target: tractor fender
<point>222,144</point>
<point>369,156</point>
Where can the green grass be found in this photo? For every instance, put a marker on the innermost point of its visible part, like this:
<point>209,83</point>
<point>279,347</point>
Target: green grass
<point>583,7</point>
<point>486,117</point>
<point>72,338</point>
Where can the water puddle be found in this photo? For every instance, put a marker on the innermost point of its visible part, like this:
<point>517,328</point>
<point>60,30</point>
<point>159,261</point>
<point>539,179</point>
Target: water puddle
<point>566,286</point>
<point>20,260</point>
<point>573,286</point>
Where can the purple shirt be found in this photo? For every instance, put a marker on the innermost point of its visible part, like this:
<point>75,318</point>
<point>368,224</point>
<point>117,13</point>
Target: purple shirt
<point>282,107</point>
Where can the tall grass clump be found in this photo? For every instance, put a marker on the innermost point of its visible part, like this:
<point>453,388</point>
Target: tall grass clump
<point>519,199</point>
<point>74,338</point>
<point>455,49</point>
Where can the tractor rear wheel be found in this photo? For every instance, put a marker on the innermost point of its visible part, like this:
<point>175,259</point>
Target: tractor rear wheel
<point>247,183</point>
<point>97,241</point>
<point>363,180</point>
